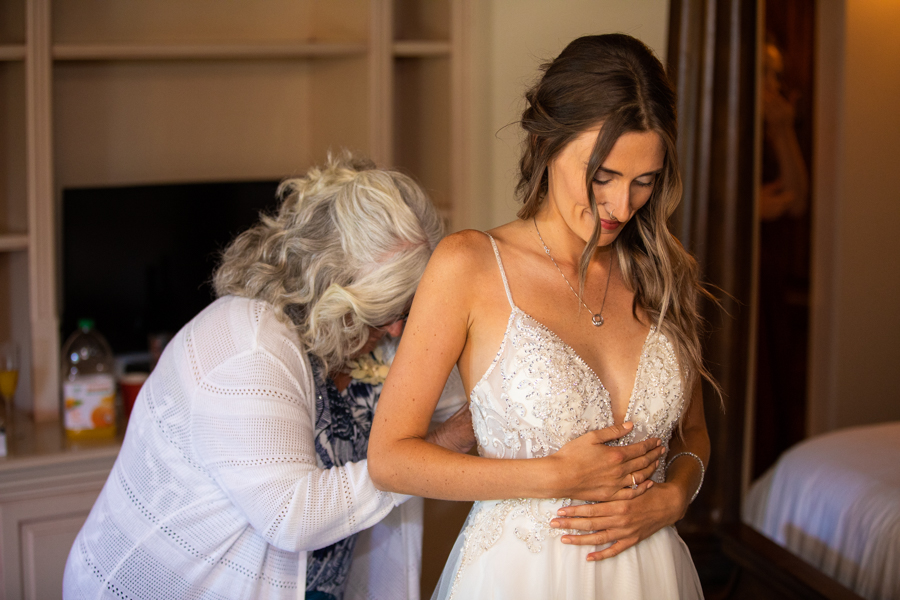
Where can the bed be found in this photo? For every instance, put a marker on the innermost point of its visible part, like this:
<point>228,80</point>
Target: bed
<point>834,501</point>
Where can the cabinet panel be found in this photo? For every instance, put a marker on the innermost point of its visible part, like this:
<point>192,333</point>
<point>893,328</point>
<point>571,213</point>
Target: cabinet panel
<point>422,124</point>
<point>12,22</point>
<point>208,21</point>
<point>13,201</point>
<point>45,548</point>
<point>157,122</point>
<point>339,20</point>
<point>29,528</point>
<point>338,98</point>
<point>7,284</point>
<point>15,322</point>
<point>418,20</point>
<point>14,309</point>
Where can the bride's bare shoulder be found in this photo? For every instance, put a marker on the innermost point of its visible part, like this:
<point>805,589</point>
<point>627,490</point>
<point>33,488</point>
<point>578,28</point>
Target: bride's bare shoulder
<point>464,262</point>
<point>467,250</point>
<point>513,234</point>
<point>473,244</point>
<point>459,266</point>
<point>468,254</point>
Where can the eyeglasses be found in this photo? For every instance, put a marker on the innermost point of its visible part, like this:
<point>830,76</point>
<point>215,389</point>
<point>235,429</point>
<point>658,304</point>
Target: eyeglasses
<point>402,317</point>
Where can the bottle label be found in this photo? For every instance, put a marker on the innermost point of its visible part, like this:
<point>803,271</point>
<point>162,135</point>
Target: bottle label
<point>89,402</point>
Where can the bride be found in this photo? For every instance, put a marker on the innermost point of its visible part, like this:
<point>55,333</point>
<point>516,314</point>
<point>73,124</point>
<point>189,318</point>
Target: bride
<point>575,331</point>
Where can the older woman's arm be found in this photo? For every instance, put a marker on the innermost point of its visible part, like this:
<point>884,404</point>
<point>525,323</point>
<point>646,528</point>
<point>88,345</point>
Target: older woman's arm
<point>252,428</point>
<point>255,436</point>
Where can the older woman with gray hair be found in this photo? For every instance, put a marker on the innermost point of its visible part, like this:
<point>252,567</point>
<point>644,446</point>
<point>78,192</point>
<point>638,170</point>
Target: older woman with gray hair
<point>243,472</point>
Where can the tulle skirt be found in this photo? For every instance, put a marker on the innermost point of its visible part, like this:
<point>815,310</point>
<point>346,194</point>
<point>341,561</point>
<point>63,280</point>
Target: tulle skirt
<point>503,566</point>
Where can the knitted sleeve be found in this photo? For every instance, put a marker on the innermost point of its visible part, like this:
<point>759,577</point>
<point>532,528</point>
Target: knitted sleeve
<point>252,430</point>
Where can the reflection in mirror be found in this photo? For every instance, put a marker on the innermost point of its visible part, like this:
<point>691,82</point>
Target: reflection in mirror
<point>784,208</point>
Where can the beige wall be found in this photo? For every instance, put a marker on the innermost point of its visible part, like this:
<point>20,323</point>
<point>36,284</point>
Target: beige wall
<point>515,37</point>
<point>857,281</point>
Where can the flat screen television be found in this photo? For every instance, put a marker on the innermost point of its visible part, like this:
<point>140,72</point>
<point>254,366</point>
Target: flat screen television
<point>139,260</point>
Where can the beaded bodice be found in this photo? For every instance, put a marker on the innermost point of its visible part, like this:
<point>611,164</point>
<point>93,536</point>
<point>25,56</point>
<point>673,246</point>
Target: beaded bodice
<point>536,396</point>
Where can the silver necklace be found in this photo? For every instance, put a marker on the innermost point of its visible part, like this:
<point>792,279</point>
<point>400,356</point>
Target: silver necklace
<point>597,318</point>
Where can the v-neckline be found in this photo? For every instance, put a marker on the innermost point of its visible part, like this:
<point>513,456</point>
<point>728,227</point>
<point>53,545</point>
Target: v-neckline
<point>578,357</point>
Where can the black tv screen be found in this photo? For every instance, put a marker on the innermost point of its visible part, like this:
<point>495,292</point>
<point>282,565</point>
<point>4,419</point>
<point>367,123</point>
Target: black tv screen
<point>139,260</point>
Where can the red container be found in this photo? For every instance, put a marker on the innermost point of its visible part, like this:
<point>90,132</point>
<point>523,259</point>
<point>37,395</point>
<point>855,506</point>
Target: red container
<point>131,384</point>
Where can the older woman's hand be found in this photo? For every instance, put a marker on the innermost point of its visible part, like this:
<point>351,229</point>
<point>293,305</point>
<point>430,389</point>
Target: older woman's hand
<point>456,433</point>
<point>624,522</point>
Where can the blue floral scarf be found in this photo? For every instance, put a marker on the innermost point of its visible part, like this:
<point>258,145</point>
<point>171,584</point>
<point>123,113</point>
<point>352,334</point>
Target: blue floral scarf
<point>343,422</point>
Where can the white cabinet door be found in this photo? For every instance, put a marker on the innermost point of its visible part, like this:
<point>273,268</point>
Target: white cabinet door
<point>45,545</point>
<point>37,536</point>
<point>43,504</point>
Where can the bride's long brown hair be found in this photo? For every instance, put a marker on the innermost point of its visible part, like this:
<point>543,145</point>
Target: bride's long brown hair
<point>615,80</point>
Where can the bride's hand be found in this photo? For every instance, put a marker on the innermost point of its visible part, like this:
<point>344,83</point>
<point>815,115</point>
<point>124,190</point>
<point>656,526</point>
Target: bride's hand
<point>622,521</point>
<point>588,469</point>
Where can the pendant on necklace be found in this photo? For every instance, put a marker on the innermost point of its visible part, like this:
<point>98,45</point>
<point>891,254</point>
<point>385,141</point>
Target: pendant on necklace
<point>597,320</point>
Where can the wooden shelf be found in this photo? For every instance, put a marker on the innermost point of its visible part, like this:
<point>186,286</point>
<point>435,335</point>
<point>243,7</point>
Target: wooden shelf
<point>421,49</point>
<point>12,52</point>
<point>10,242</point>
<point>205,51</point>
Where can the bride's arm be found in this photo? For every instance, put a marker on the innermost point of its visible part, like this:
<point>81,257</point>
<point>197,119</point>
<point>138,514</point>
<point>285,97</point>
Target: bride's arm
<point>439,327</point>
<point>629,522</point>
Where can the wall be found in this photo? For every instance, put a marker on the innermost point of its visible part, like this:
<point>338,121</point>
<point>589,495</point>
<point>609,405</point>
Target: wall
<point>856,321</point>
<point>515,38</point>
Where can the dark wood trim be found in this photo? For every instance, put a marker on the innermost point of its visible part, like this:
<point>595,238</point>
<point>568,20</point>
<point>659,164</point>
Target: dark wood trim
<point>783,574</point>
<point>712,62</point>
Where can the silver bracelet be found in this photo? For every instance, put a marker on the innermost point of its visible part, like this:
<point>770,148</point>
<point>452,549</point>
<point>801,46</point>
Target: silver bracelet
<point>702,469</point>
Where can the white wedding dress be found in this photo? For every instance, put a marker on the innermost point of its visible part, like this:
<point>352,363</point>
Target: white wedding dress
<point>537,395</point>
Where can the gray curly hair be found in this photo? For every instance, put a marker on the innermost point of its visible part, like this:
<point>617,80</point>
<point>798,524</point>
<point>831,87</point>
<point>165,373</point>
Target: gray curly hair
<point>345,252</point>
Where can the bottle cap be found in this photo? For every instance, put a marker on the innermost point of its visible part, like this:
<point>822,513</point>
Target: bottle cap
<point>85,324</point>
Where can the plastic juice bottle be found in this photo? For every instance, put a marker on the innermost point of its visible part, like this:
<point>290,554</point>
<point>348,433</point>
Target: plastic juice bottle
<point>8,383</point>
<point>88,385</point>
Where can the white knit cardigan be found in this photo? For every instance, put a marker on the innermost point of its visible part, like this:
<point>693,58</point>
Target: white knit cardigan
<point>216,492</point>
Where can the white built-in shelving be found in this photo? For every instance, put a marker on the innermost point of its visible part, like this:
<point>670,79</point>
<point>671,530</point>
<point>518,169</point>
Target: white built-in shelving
<point>120,92</point>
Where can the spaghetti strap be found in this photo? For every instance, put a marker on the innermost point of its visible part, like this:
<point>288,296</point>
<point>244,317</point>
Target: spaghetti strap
<point>502,272</point>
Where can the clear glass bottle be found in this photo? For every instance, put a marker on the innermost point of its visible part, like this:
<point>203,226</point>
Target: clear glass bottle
<point>88,385</point>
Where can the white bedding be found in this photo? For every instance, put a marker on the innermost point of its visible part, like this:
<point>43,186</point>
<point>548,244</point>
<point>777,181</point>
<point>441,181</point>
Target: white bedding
<point>834,500</point>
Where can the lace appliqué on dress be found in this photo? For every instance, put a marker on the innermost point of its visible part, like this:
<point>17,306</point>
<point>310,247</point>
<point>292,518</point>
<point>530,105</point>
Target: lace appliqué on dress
<point>566,397</point>
<point>485,526</point>
<point>657,400</point>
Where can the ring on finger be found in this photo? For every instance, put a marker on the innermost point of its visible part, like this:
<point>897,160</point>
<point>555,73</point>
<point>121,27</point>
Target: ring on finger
<point>633,482</point>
